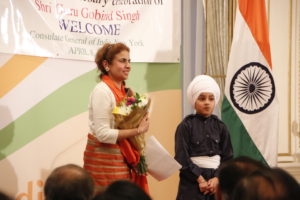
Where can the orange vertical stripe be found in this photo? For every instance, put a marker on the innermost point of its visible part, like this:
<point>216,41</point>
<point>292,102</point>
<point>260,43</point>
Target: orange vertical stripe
<point>254,13</point>
<point>16,69</point>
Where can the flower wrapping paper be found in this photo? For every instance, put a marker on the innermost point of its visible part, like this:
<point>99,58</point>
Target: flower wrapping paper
<point>128,115</point>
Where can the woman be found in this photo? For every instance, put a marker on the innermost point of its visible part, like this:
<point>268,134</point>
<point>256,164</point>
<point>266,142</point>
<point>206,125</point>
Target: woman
<point>108,154</point>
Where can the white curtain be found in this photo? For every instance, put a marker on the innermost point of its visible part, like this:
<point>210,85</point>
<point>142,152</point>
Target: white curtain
<point>193,46</point>
<point>206,39</point>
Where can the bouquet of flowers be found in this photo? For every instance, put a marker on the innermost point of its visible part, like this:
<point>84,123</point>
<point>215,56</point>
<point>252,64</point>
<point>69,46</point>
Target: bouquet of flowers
<point>128,115</point>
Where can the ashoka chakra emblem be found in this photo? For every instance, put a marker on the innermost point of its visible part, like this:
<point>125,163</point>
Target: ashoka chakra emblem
<point>252,88</point>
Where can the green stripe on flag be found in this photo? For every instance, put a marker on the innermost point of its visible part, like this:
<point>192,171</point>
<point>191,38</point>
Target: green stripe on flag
<point>72,99</point>
<point>241,141</point>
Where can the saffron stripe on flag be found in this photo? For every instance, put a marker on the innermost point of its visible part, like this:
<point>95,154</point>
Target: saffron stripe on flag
<point>255,20</point>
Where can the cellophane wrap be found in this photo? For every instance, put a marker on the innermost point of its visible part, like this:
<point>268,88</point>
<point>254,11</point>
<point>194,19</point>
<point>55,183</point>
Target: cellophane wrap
<point>129,115</point>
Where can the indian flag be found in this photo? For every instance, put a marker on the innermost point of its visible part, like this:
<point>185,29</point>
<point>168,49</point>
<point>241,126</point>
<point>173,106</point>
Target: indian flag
<point>250,107</point>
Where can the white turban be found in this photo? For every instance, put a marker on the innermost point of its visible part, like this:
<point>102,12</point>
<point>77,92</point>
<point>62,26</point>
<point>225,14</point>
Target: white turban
<point>200,84</point>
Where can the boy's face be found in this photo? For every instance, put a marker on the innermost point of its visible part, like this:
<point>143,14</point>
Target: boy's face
<point>205,104</point>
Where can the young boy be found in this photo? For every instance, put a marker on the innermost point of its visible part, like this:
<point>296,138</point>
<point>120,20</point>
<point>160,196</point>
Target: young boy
<point>202,142</point>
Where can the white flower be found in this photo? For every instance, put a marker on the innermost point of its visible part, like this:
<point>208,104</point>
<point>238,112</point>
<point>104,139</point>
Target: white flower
<point>143,102</point>
<point>129,104</point>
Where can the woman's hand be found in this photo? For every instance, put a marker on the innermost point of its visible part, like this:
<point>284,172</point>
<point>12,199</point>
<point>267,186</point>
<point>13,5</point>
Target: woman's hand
<point>127,133</point>
<point>144,125</point>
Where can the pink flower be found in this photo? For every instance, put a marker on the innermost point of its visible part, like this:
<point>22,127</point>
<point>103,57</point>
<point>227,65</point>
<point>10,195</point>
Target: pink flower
<point>130,100</point>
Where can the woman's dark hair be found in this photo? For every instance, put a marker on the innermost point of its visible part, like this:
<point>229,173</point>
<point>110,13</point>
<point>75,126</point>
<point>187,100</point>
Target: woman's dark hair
<point>123,190</point>
<point>272,184</point>
<point>288,181</point>
<point>232,171</point>
<point>107,52</point>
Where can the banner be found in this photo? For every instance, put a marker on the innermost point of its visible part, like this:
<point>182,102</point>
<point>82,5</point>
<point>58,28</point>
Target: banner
<point>250,107</point>
<point>76,29</point>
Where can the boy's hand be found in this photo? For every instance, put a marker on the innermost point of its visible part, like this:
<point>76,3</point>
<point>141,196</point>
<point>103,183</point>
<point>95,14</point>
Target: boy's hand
<point>203,185</point>
<point>212,185</point>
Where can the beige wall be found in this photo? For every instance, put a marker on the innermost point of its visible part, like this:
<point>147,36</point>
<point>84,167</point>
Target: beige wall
<point>284,26</point>
<point>165,116</point>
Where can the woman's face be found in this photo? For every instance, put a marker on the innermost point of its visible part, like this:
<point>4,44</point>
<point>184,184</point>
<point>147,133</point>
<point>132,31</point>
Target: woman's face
<point>120,67</point>
<point>205,104</point>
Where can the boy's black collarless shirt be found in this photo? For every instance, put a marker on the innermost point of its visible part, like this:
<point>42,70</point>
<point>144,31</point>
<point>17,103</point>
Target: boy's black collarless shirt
<point>196,136</point>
